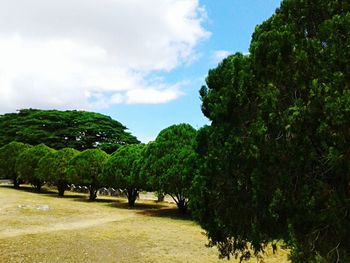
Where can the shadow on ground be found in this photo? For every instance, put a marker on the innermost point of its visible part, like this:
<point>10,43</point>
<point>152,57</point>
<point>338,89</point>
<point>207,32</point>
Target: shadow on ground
<point>142,207</point>
<point>30,189</point>
<point>172,213</point>
<point>118,203</point>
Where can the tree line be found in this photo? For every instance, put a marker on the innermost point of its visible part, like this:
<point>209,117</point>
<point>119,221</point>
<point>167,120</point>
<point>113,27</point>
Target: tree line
<point>166,166</point>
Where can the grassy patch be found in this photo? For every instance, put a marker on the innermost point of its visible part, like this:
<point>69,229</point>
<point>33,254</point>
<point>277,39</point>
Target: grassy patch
<point>45,228</point>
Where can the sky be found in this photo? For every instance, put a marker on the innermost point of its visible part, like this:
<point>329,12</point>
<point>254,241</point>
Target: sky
<point>142,62</point>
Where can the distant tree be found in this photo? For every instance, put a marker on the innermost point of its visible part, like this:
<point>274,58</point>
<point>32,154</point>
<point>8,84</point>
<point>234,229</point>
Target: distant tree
<point>169,163</point>
<point>120,171</point>
<point>53,167</point>
<point>80,130</point>
<point>27,163</point>
<point>8,157</point>
<point>275,159</point>
<point>86,169</point>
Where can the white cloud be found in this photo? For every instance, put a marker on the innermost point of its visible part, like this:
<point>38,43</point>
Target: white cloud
<point>93,53</point>
<point>152,95</point>
<point>219,55</point>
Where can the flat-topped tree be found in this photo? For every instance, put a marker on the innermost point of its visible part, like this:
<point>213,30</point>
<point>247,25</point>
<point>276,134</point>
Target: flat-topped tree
<point>8,157</point>
<point>53,168</point>
<point>169,163</point>
<point>27,163</point>
<point>80,130</point>
<point>86,169</point>
<point>121,171</point>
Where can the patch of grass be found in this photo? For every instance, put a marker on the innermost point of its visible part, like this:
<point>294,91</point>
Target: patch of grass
<point>75,230</point>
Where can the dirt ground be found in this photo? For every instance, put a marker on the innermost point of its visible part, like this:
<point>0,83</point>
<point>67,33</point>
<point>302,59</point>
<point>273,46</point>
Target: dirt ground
<point>45,228</point>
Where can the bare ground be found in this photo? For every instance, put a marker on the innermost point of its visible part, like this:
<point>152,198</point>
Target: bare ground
<point>44,228</point>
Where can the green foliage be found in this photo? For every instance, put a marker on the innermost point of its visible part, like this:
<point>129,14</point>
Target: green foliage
<point>86,169</point>
<point>52,168</point>
<point>276,158</point>
<point>60,129</point>
<point>8,157</point>
<point>27,163</point>
<point>121,171</point>
<point>169,163</point>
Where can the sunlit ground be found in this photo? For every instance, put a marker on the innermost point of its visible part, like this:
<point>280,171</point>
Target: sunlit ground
<point>44,228</point>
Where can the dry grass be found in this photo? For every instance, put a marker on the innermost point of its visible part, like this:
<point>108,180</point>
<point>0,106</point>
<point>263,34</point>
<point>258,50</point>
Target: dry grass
<point>44,228</point>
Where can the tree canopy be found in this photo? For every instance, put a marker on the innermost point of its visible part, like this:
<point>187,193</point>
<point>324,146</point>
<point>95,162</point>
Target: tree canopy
<point>80,130</point>
<point>275,158</point>
<point>52,168</point>
<point>8,157</point>
<point>120,171</point>
<point>27,163</point>
<point>86,169</point>
<point>169,163</point>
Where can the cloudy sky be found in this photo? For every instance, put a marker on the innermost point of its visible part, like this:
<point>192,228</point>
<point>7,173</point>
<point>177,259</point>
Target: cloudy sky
<point>141,62</point>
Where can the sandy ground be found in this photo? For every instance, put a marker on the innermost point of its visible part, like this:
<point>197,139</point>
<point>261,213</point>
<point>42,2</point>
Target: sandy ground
<point>45,228</point>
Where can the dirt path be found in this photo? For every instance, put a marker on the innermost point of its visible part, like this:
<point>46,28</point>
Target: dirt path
<point>20,214</point>
<point>74,225</point>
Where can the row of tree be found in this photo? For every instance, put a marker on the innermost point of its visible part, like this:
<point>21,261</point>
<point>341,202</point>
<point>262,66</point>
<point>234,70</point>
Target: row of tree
<point>166,165</point>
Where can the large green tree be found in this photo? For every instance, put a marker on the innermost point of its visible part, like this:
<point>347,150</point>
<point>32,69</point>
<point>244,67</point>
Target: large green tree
<point>86,169</point>
<point>169,163</point>
<point>8,157</point>
<point>275,158</point>
<point>121,171</point>
<point>27,163</point>
<point>52,168</point>
<point>80,130</point>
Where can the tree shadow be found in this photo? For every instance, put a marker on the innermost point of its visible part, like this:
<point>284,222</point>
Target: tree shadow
<point>71,196</point>
<point>30,189</point>
<point>139,206</point>
<point>47,191</point>
<point>85,199</point>
<point>142,207</point>
<point>168,212</point>
<point>122,202</point>
<point>7,186</point>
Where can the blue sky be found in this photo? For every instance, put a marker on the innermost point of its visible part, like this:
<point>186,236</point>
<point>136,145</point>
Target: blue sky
<point>140,62</point>
<point>231,23</point>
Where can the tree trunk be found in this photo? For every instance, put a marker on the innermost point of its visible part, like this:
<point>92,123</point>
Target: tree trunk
<point>93,193</point>
<point>37,186</point>
<point>16,182</point>
<point>182,205</point>
<point>61,187</point>
<point>180,201</point>
<point>160,196</point>
<point>132,194</point>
